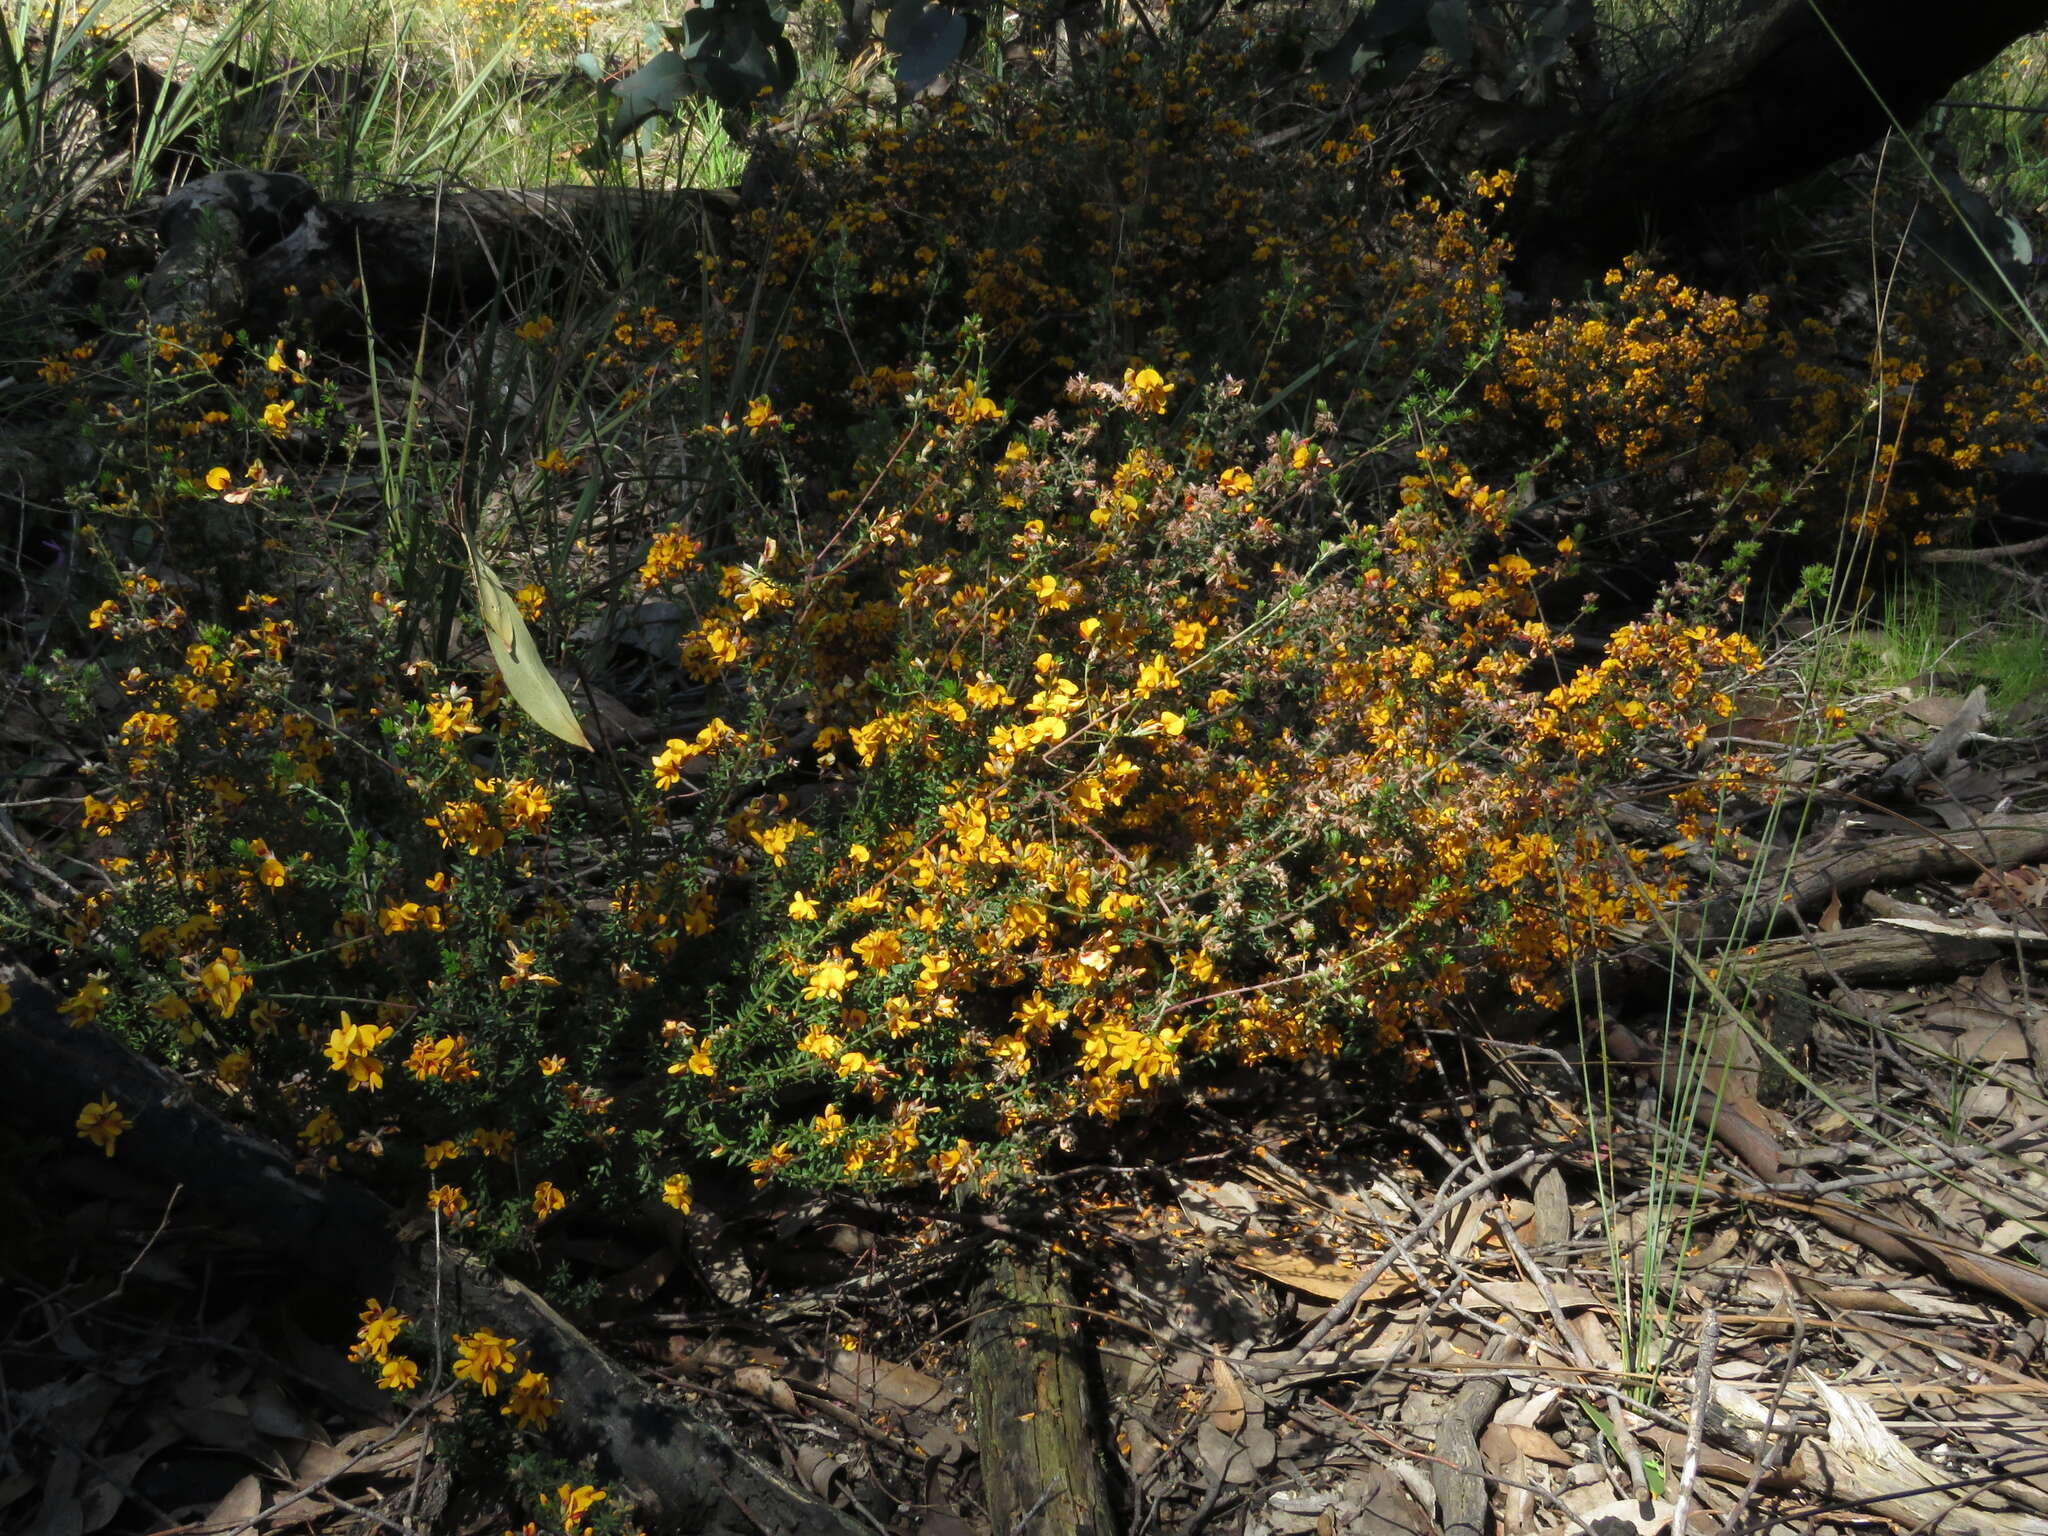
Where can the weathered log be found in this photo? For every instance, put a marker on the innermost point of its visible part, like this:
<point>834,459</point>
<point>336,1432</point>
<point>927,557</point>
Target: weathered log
<point>1905,857</point>
<point>1035,1418</point>
<point>1891,952</point>
<point>1724,932</point>
<point>393,260</point>
<point>258,248</point>
<point>682,1474</point>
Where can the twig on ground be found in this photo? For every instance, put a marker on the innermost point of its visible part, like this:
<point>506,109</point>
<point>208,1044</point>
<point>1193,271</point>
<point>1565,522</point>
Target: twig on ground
<point>1702,1397</point>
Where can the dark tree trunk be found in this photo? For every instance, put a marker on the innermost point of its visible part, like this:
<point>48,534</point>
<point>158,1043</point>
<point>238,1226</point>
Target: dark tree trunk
<point>1774,98</point>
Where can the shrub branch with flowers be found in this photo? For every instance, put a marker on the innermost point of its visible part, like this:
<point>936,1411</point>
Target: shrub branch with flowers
<point>1706,414</point>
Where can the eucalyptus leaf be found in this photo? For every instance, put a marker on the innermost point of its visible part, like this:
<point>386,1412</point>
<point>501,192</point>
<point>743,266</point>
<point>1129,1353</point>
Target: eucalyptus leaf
<point>1388,39</point>
<point>1346,58</point>
<point>1450,24</point>
<point>650,91</point>
<point>925,38</point>
<point>785,60</point>
<point>733,51</point>
<point>731,87</point>
<point>1983,247</point>
<point>527,679</point>
<point>1552,22</point>
<point>1401,62</point>
<point>1390,19</point>
<point>699,29</point>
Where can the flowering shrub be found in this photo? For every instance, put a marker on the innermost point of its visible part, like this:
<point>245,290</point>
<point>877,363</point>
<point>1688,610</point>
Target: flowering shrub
<point>1642,384</point>
<point>1156,755</point>
<point>1032,729</point>
<point>1159,682</point>
<point>1052,759</point>
<point>531,26</point>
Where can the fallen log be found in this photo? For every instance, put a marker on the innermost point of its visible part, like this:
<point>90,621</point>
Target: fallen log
<point>1895,951</point>
<point>682,1474</point>
<point>1890,952</point>
<point>260,249</point>
<point>1905,857</point>
<point>396,259</point>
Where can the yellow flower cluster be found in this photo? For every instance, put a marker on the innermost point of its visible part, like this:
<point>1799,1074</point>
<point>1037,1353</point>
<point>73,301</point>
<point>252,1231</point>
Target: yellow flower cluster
<point>541,27</point>
<point>102,1124</point>
<point>1758,426</point>
<point>379,1331</point>
<point>673,554</point>
<point>1640,382</point>
<point>352,1048</point>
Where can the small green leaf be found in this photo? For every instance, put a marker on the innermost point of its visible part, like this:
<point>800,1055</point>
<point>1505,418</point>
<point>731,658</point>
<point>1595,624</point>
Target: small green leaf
<point>527,678</point>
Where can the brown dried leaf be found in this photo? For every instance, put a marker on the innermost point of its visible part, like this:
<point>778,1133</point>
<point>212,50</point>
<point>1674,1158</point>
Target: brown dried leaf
<point>817,1466</point>
<point>1236,1458</point>
<point>1936,709</point>
<point>1723,1466</point>
<point>2012,890</point>
<point>2007,1042</point>
<point>1314,1277</point>
<point>643,1279</point>
<point>273,1413</point>
<point>1527,1296</point>
<point>1597,1341</point>
<point>369,1453</point>
<point>1646,1517</point>
<point>239,1508</point>
<point>1502,1444</point>
<point>1226,1398</point>
<point>869,1382</point>
<point>759,1382</point>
